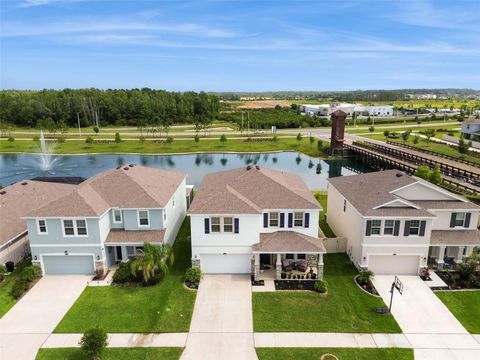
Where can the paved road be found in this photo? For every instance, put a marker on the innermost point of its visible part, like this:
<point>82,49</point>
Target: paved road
<point>429,326</point>
<point>29,323</point>
<point>222,322</point>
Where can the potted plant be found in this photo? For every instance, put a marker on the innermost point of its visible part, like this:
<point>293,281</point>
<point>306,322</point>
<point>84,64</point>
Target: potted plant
<point>313,276</point>
<point>283,275</point>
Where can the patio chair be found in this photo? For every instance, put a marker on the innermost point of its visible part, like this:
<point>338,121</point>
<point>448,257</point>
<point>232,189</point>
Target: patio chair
<point>302,265</point>
<point>286,265</point>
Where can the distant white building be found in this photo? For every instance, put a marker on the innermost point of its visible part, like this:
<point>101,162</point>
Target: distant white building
<point>422,96</point>
<point>366,110</point>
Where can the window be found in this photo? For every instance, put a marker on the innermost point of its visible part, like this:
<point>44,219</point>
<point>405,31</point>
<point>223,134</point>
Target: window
<point>388,227</point>
<point>273,219</point>
<point>298,219</point>
<point>215,224</point>
<point>42,226</point>
<point>414,227</point>
<point>289,256</point>
<point>68,227</point>
<point>376,227</point>
<point>75,227</point>
<point>344,205</point>
<point>143,218</point>
<point>459,219</point>
<point>173,202</point>
<point>81,227</point>
<point>301,256</point>
<point>228,224</point>
<point>117,216</point>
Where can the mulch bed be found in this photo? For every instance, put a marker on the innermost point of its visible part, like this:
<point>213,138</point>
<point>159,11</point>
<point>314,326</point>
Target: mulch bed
<point>368,287</point>
<point>294,285</point>
<point>258,282</point>
<point>191,285</point>
<point>451,278</point>
<point>100,277</point>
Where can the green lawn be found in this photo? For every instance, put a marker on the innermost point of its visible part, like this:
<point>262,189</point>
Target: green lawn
<point>234,145</point>
<point>7,301</point>
<point>143,353</point>
<point>341,353</point>
<point>465,305</point>
<point>166,307</point>
<point>322,199</point>
<point>345,308</point>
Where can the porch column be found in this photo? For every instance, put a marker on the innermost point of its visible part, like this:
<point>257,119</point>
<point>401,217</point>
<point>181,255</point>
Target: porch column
<point>256,266</point>
<point>440,261</point>
<point>124,254</point>
<point>278,266</point>
<point>469,251</point>
<point>320,266</point>
<point>459,258</point>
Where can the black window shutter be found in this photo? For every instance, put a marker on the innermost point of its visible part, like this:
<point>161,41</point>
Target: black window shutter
<point>282,220</point>
<point>236,225</point>
<point>207,225</point>
<point>396,229</point>
<point>290,220</point>
<point>452,219</point>
<point>406,230</point>
<point>467,220</point>
<point>368,231</point>
<point>423,223</point>
<point>265,220</point>
<point>307,220</point>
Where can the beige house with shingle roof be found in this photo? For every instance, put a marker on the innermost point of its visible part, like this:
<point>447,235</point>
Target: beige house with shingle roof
<point>397,224</point>
<point>106,219</point>
<point>256,220</point>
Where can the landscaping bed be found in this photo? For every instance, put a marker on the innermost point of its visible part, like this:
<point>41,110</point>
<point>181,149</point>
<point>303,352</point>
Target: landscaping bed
<point>340,353</point>
<point>366,286</point>
<point>294,284</point>
<point>455,280</point>
<point>140,353</point>
<point>346,308</point>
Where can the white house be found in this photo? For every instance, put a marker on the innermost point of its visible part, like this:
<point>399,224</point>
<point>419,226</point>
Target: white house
<point>327,109</point>
<point>106,219</point>
<point>471,130</point>
<point>394,223</point>
<point>251,219</point>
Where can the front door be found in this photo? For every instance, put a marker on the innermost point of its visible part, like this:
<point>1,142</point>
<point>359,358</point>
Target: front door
<point>265,259</point>
<point>118,252</point>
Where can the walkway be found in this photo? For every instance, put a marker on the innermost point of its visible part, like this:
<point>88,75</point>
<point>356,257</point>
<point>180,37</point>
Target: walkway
<point>29,323</point>
<point>426,322</point>
<point>222,322</point>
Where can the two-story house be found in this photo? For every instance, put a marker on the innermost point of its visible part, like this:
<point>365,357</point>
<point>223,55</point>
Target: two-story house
<point>395,223</point>
<point>106,219</point>
<point>253,219</point>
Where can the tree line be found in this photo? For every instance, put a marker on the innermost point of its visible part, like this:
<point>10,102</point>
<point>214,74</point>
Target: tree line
<point>94,107</point>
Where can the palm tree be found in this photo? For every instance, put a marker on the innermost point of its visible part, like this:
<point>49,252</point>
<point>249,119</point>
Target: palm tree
<point>153,258</point>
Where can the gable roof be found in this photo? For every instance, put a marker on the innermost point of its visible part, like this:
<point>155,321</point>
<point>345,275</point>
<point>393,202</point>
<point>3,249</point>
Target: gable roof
<point>129,186</point>
<point>250,190</point>
<point>19,199</point>
<point>288,241</point>
<point>372,193</point>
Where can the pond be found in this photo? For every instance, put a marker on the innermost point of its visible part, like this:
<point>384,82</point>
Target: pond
<point>17,167</point>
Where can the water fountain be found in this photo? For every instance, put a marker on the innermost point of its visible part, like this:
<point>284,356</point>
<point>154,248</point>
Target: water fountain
<point>46,159</point>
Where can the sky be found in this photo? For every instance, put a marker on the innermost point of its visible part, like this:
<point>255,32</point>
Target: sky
<point>245,45</point>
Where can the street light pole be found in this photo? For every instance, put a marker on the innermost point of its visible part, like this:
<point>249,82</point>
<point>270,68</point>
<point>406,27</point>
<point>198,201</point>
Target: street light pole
<point>78,121</point>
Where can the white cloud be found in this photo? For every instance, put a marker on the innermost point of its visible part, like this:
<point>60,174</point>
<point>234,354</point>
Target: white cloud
<point>33,3</point>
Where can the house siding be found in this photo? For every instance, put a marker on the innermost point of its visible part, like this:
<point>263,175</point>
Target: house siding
<point>130,219</point>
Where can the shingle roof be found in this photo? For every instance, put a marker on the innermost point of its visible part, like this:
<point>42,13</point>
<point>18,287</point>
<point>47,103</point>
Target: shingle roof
<point>23,197</point>
<point>288,241</point>
<point>439,204</point>
<point>455,237</point>
<point>249,191</point>
<point>125,187</point>
<point>120,236</point>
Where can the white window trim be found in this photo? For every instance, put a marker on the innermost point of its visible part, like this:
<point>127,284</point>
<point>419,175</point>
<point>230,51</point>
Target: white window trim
<point>222,221</point>
<point>222,225</point>
<point>138,218</point>
<point>75,228</point>
<point>463,222</point>
<point>278,219</point>
<point>384,222</point>
<point>303,219</point>
<point>410,228</point>
<point>380,227</point>
<point>219,224</point>
<point>38,227</point>
<point>121,216</point>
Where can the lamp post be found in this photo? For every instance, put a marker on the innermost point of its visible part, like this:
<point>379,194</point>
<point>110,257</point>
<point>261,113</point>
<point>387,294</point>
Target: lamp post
<point>78,121</point>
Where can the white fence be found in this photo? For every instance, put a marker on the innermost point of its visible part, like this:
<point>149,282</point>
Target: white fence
<point>335,245</point>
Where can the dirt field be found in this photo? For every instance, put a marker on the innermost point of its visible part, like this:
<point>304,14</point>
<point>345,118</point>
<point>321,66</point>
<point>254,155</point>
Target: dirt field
<point>262,104</point>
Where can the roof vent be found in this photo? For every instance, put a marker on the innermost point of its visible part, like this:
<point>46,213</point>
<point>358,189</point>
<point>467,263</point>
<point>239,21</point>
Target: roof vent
<point>24,183</point>
<point>126,168</point>
<point>3,192</point>
<point>398,174</point>
<point>257,167</point>
<point>248,167</point>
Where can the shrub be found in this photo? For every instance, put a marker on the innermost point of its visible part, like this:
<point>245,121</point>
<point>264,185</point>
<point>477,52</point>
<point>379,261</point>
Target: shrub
<point>193,275</point>
<point>89,140</point>
<point>61,140</point>
<point>275,138</point>
<point>416,138</point>
<point>320,286</point>
<point>11,139</point>
<point>365,276</point>
<point>371,128</point>
<point>320,145</point>
<point>30,273</point>
<point>299,137</point>
<point>196,138</point>
<point>36,138</point>
<point>386,133</point>
<point>223,139</point>
<point>96,129</point>
<point>118,139</point>
<point>169,139</point>
<point>93,342</point>
<point>312,140</point>
<point>18,288</point>
<point>3,269</point>
<point>124,274</point>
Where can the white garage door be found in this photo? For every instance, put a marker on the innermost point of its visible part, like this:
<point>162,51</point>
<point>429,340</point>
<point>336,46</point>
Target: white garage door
<point>226,264</point>
<point>68,265</point>
<point>394,264</point>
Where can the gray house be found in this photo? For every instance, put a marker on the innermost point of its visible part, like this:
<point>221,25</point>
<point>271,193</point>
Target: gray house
<point>106,219</point>
<point>471,130</point>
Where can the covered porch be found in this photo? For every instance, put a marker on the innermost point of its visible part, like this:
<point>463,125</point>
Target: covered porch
<point>123,245</point>
<point>288,255</point>
<point>448,247</point>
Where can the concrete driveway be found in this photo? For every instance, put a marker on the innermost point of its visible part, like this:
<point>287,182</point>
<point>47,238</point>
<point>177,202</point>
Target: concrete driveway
<point>222,323</point>
<point>28,324</point>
